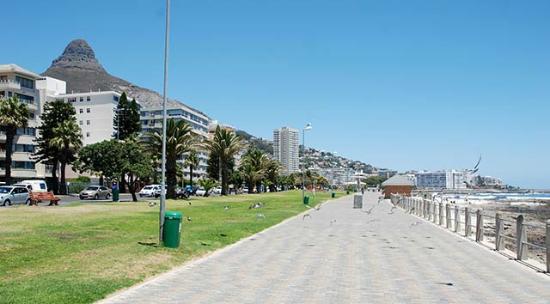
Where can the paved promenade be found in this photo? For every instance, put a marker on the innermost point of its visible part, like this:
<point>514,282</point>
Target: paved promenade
<point>345,255</point>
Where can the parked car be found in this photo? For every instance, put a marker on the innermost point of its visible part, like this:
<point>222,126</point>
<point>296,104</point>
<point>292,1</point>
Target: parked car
<point>216,191</point>
<point>200,191</point>
<point>95,192</point>
<point>14,195</point>
<point>34,185</point>
<point>150,191</point>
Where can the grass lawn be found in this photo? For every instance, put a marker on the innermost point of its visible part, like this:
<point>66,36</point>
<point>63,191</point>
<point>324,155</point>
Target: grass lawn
<point>82,252</point>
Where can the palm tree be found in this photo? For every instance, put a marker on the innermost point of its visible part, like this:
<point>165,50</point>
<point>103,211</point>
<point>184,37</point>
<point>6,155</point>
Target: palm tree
<point>67,140</point>
<point>272,170</point>
<point>225,145</point>
<point>179,140</point>
<point>13,115</point>
<point>253,166</point>
<point>192,161</point>
<point>207,184</point>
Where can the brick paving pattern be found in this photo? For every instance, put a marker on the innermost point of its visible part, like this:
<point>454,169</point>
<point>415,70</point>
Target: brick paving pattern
<point>346,255</point>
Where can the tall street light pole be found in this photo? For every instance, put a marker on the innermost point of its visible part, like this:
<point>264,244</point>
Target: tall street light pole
<point>164,95</point>
<point>306,128</point>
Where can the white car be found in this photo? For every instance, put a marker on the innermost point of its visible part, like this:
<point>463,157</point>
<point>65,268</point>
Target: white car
<point>216,191</point>
<point>200,191</point>
<point>34,185</point>
<point>14,195</point>
<point>150,191</point>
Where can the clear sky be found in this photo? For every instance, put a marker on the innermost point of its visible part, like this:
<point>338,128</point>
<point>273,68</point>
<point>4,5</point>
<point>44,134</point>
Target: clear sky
<point>400,84</point>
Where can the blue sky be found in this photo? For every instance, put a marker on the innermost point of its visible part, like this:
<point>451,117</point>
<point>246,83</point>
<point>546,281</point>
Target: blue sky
<point>399,84</point>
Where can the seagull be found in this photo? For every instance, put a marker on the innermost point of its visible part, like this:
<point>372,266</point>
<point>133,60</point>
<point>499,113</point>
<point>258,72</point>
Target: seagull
<point>256,205</point>
<point>189,219</point>
<point>369,211</point>
<point>226,208</point>
<point>306,215</point>
<point>189,203</point>
<point>415,224</point>
<point>152,204</point>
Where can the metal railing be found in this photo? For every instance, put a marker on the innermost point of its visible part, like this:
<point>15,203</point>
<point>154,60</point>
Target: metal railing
<point>477,225</point>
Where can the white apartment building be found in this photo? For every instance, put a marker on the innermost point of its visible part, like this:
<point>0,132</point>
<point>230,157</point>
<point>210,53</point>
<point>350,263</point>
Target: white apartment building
<point>286,148</point>
<point>151,119</point>
<point>31,89</point>
<point>447,179</point>
<point>95,112</point>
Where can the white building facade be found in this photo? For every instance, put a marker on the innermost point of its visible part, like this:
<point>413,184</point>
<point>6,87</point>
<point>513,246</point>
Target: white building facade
<point>31,89</point>
<point>286,148</point>
<point>151,119</point>
<point>95,114</point>
<point>447,179</point>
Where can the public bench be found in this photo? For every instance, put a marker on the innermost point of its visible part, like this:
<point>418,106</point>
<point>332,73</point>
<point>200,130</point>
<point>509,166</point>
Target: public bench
<point>37,197</point>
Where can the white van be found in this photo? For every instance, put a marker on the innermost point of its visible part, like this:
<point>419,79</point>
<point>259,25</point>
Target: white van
<point>34,185</point>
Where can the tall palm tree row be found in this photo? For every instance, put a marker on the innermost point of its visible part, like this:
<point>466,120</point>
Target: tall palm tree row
<point>224,145</point>
<point>13,115</point>
<point>179,141</point>
<point>67,140</point>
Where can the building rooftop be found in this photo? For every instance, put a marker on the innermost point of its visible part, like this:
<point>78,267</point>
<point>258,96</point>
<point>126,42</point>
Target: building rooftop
<point>14,68</point>
<point>399,180</point>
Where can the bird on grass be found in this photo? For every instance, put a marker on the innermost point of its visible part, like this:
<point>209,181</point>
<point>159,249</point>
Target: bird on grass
<point>256,205</point>
<point>152,204</point>
<point>189,203</point>
<point>189,219</point>
<point>226,208</point>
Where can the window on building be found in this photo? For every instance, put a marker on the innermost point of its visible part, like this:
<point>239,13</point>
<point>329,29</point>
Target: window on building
<point>80,122</point>
<point>88,110</point>
<point>26,131</point>
<point>24,98</point>
<point>115,98</point>
<point>88,98</point>
<point>82,99</point>
<point>87,134</point>
<point>71,99</point>
<point>18,165</point>
<point>25,82</point>
<point>87,122</point>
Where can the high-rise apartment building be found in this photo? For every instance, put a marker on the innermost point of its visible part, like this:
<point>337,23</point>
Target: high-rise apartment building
<point>286,148</point>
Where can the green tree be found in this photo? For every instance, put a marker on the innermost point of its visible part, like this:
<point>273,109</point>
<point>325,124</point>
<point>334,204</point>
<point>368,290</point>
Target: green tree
<point>126,121</point>
<point>179,141</point>
<point>192,161</point>
<point>13,115</point>
<point>66,139</point>
<point>224,145</point>
<point>55,112</point>
<point>114,158</point>
<point>374,181</point>
<point>207,184</point>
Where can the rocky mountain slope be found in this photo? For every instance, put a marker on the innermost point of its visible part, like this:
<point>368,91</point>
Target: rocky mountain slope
<point>79,67</point>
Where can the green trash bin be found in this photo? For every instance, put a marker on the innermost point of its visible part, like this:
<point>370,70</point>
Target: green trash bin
<point>172,229</point>
<point>306,200</point>
<point>333,195</point>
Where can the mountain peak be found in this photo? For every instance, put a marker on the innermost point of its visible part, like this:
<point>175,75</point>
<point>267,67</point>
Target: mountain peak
<point>78,54</point>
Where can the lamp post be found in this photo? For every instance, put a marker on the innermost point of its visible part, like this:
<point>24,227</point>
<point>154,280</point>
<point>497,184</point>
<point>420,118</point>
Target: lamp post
<point>306,128</point>
<point>162,205</point>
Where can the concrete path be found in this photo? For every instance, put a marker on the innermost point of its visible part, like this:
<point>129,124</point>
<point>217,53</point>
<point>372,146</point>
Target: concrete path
<point>345,255</point>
